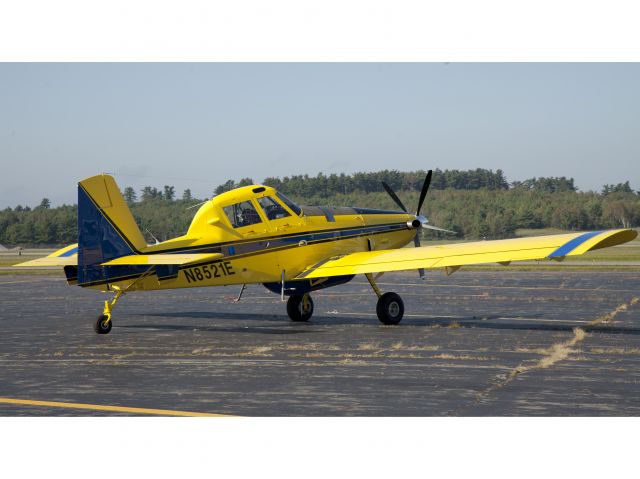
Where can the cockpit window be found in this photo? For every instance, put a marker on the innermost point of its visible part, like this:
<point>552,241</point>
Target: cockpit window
<point>242,214</point>
<point>272,209</point>
<point>292,206</point>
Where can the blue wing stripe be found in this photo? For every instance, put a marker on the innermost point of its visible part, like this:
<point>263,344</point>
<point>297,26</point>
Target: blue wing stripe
<point>569,246</point>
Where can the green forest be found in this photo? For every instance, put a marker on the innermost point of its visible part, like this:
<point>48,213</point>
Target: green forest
<point>476,204</point>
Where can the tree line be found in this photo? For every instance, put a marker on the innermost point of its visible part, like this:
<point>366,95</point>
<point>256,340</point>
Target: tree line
<point>366,182</point>
<point>475,203</point>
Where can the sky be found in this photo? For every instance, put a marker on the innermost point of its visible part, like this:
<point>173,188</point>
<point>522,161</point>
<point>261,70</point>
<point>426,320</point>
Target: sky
<point>195,125</point>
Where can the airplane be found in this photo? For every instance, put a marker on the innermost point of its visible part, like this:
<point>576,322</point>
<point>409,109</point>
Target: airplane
<point>256,235</point>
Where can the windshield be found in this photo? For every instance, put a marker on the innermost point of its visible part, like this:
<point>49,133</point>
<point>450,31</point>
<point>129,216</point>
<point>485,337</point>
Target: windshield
<point>272,209</point>
<point>292,206</point>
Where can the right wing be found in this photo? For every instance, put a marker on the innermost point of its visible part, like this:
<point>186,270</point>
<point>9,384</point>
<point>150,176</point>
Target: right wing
<point>452,256</point>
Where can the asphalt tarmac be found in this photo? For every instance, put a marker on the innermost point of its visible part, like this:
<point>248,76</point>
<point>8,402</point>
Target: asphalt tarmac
<point>524,343</point>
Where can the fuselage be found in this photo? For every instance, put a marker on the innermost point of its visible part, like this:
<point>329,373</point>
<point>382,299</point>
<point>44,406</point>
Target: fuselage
<point>263,237</point>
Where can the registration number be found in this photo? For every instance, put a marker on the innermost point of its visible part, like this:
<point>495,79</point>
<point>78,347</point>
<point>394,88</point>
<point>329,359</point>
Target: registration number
<point>208,271</point>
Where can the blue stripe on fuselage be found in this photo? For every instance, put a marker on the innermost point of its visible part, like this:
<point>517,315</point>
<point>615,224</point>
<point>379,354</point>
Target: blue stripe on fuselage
<point>243,247</point>
<point>569,246</point>
<point>340,233</point>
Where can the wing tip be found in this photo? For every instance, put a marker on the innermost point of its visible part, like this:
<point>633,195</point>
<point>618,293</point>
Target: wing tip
<point>613,238</point>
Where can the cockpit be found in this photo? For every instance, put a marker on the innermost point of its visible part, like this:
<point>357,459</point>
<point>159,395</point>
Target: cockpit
<point>249,211</point>
<point>256,205</point>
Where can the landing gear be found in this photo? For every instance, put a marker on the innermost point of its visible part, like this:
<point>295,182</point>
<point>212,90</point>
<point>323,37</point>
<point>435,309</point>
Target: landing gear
<point>390,307</point>
<point>103,324</point>
<point>300,307</point>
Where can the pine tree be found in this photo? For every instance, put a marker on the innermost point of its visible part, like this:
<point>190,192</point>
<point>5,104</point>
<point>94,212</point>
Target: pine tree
<point>130,195</point>
<point>169,193</point>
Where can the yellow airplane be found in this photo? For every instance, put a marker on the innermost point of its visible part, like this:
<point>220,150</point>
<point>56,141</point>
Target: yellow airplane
<point>255,234</point>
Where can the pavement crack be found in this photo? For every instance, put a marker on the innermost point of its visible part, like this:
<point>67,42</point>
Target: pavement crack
<point>553,354</point>
<point>609,316</point>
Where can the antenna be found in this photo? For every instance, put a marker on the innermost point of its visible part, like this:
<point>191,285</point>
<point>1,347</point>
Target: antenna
<point>154,238</point>
<point>193,206</point>
<point>201,203</point>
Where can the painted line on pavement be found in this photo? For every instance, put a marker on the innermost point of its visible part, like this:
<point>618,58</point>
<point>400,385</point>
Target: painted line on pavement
<point>98,407</point>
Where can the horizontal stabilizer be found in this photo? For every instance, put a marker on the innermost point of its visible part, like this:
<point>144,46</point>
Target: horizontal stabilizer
<point>67,256</point>
<point>49,261</point>
<point>161,259</point>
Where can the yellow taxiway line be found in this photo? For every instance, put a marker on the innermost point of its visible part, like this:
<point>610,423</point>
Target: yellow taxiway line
<point>98,407</point>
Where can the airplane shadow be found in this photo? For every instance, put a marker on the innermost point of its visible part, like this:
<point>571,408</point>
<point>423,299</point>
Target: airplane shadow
<point>471,322</point>
<point>212,329</point>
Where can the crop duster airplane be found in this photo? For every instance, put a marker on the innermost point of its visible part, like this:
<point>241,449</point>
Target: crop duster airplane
<point>255,234</point>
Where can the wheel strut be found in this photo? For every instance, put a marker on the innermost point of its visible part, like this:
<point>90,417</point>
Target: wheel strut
<point>373,284</point>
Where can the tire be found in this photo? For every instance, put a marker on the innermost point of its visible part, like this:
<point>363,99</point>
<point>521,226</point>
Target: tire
<point>390,308</point>
<point>295,306</point>
<point>102,326</point>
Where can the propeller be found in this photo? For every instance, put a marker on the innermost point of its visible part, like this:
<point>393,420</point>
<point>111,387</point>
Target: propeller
<point>420,220</point>
<point>423,193</point>
<point>394,197</point>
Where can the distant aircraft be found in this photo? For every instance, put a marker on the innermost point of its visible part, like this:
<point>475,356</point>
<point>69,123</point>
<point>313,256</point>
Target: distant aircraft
<point>255,234</point>
<point>4,249</point>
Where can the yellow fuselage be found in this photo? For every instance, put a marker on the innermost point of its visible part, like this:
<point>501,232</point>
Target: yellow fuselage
<point>261,252</point>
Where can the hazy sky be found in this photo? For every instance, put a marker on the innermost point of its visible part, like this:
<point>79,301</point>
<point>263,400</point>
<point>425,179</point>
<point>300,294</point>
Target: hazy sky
<point>196,125</point>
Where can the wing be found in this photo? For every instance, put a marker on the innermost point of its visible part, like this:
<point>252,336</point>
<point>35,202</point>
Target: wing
<point>67,256</point>
<point>455,255</point>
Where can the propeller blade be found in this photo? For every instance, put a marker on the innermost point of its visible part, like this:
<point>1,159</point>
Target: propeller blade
<point>393,196</point>
<point>423,193</point>
<point>416,242</point>
<point>435,228</point>
<point>416,239</point>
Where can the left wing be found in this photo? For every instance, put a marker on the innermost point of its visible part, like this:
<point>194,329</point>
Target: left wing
<point>455,255</point>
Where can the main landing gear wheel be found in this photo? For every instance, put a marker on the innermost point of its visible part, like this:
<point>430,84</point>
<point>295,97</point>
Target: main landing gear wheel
<point>103,324</point>
<point>390,308</point>
<point>300,307</point>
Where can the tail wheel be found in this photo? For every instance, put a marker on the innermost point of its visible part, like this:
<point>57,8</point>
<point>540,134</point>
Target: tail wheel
<point>300,307</point>
<point>390,308</point>
<point>103,324</point>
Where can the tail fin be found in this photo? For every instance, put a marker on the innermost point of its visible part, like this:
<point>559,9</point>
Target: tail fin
<point>106,228</point>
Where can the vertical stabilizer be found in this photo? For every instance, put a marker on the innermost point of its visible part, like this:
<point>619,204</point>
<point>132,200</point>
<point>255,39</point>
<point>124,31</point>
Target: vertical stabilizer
<point>106,227</point>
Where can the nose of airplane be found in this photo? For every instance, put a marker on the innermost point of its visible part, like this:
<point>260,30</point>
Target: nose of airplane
<point>414,223</point>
